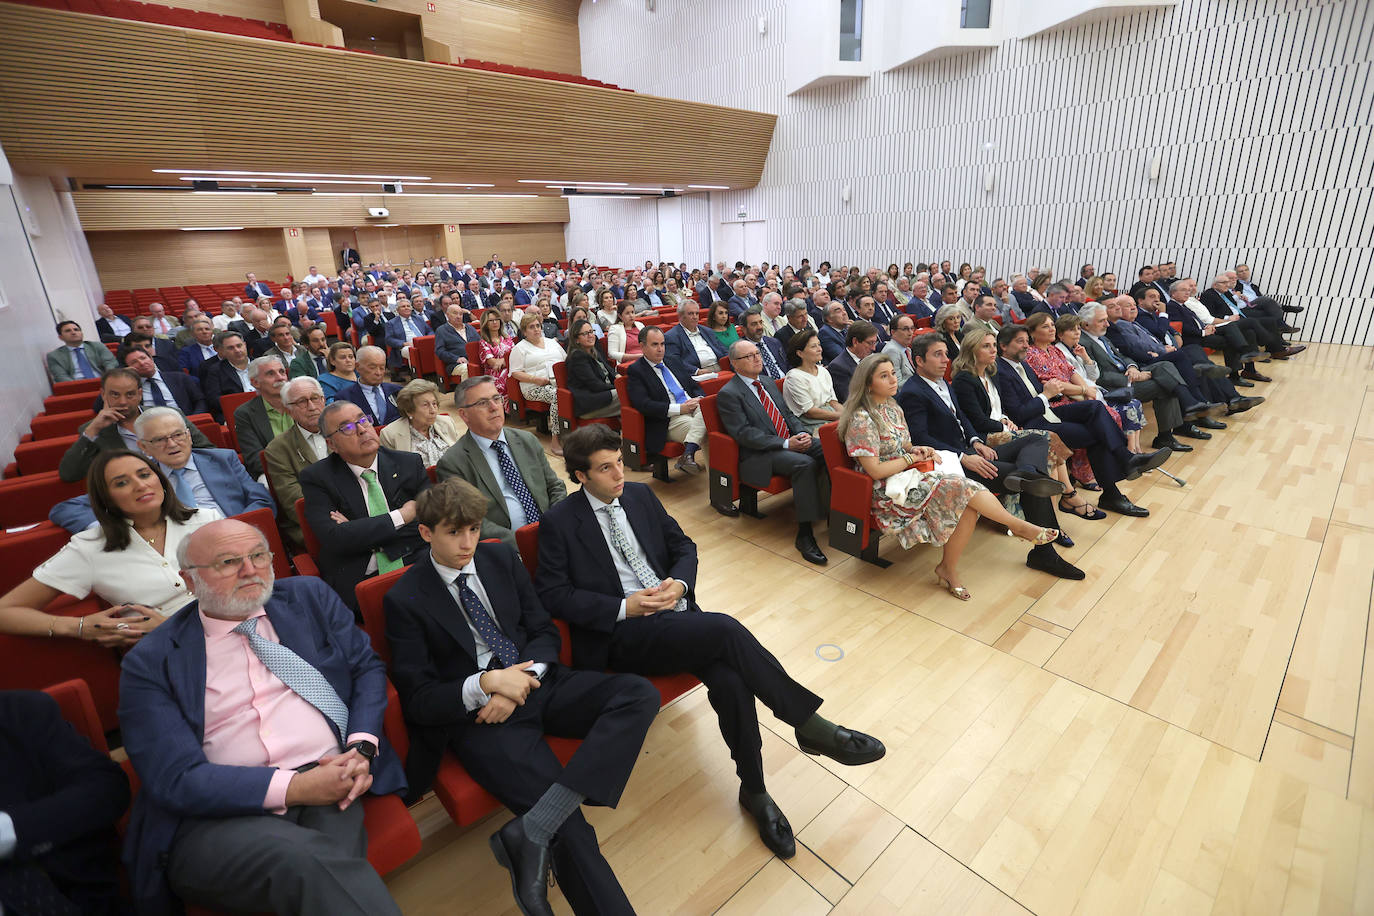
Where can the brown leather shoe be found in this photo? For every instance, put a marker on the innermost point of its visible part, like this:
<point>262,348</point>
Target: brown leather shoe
<point>1291,351</point>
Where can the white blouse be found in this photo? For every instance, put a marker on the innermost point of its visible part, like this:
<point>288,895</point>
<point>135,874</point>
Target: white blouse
<point>528,358</point>
<point>994,399</point>
<point>802,391</point>
<point>136,575</point>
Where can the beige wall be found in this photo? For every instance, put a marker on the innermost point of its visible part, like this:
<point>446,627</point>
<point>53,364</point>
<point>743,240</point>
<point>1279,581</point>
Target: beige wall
<point>514,242</point>
<point>130,260</point>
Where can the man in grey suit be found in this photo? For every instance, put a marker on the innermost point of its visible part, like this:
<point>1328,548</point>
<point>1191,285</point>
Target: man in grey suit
<point>774,442</point>
<point>259,421</point>
<point>77,359</point>
<point>508,466</point>
<point>299,447</point>
<point>121,393</point>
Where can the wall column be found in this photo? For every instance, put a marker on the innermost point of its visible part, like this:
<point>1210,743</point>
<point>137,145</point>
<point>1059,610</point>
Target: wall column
<point>453,243</point>
<point>297,258</point>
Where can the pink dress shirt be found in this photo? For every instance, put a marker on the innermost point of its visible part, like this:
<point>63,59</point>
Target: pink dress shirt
<point>252,719</point>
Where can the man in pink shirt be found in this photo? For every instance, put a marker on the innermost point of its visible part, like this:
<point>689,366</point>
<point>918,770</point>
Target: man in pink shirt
<point>253,720</point>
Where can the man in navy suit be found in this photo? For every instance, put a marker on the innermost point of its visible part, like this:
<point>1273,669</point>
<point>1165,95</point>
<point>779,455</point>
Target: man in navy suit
<point>689,350</point>
<point>1267,330</point>
<point>214,766</point>
<point>255,289</point>
<point>1081,424</point>
<point>200,348</point>
<point>774,360</point>
<point>373,395</point>
<point>59,802</point>
<point>669,401</point>
<point>1020,291</point>
<point>451,342</point>
<point>162,389</point>
<point>401,330</point>
<point>1056,296</point>
<point>832,332</point>
<point>860,339</point>
<point>474,300</point>
<point>210,477</point>
<point>373,489</point>
<point>742,301</point>
<point>934,418</point>
<point>474,656</point>
<point>618,568</point>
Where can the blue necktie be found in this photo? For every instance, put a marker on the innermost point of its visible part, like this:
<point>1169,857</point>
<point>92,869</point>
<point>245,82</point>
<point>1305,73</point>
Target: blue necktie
<point>298,674</point>
<point>379,403</point>
<point>670,382</point>
<point>499,643</point>
<point>1111,352</point>
<point>516,483</point>
<point>319,365</point>
<point>770,365</point>
<point>183,488</point>
<point>156,391</point>
<point>83,365</point>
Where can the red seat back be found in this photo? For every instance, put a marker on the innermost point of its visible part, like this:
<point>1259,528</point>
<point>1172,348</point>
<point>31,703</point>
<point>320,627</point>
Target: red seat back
<point>370,593</point>
<point>52,425</point>
<point>78,386</point>
<point>42,455</point>
<point>527,541</point>
<point>29,498</point>
<point>312,543</point>
<point>228,403</point>
<point>263,520</point>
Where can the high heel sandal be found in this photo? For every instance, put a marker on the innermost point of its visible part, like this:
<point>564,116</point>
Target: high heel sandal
<point>1046,536</point>
<point>1084,509</point>
<point>957,591</point>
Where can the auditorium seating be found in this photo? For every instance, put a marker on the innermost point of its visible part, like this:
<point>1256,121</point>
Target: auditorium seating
<point>632,438</point>
<point>567,418</point>
<point>723,467</point>
<point>852,527</point>
<point>27,499</point>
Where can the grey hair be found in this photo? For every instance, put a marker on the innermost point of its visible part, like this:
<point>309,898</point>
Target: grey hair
<point>296,383</point>
<point>256,366</point>
<point>152,414</point>
<point>460,394</point>
<point>1060,287</point>
<point>682,306</point>
<point>371,352</point>
<point>1220,278</point>
<point>333,409</point>
<point>794,306</point>
<point>947,312</point>
<point>771,295</point>
<point>1015,277</point>
<point>1178,285</point>
<point>1089,312</point>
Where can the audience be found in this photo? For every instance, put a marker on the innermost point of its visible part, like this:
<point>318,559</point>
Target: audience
<point>170,389</point>
<point>689,349</point>
<point>278,710</point>
<point>77,358</point>
<point>312,356</point>
<point>341,361</point>
<point>420,428</point>
<point>126,560</point>
<point>808,390</point>
<point>720,321</point>
<point>668,398</point>
<point>299,447</point>
<point>591,379</point>
<point>111,328</point>
<point>372,394</point>
<point>646,619</point>
<point>226,373</point>
<point>860,339</point>
<point>259,421</point>
<point>494,348</point>
<point>451,341</point>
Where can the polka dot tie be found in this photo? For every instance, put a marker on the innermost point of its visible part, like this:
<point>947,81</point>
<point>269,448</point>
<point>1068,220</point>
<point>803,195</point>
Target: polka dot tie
<point>516,483</point>
<point>643,571</point>
<point>499,643</point>
<point>298,674</point>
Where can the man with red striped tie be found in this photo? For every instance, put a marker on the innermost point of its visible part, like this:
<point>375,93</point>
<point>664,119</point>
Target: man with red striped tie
<point>773,441</point>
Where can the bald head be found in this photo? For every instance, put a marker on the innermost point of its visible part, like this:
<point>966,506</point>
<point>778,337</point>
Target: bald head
<point>219,561</point>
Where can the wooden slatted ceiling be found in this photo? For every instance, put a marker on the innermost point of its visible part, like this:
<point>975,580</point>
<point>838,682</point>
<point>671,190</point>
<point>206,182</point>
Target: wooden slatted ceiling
<point>106,211</point>
<point>100,98</point>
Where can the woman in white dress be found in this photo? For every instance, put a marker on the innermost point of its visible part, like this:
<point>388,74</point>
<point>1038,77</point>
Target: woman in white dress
<point>531,364</point>
<point>129,560</point>
<point>807,388</point>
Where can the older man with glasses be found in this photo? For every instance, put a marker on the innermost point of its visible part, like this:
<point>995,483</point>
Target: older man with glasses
<point>507,465</point>
<point>294,450</point>
<point>360,501</point>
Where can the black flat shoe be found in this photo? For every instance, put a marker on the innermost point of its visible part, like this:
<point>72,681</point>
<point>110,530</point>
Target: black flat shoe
<point>810,550</point>
<point>1209,423</point>
<point>1171,444</point>
<point>1205,409</point>
<point>848,747</point>
<point>1085,510</point>
<point>1240,405</point>
<point>1211,370</point>
<point>1050,562</point>
<point>528,864</point>
<point>1294,309</point>
<point>774,830</point>
<point>1242,383</point>
<point>1122,506</point>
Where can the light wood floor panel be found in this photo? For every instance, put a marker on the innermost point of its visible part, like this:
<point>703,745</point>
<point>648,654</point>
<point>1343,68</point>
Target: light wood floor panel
<point>850,834</point>
<point>1364,425</point>
<point>776,889</point>
<point>1355,495</point>
<point>1308,757</point>
<point>1322,683</point>
<point>1362,757</point>
<point>1198,630</point>
<point>1029,643</point>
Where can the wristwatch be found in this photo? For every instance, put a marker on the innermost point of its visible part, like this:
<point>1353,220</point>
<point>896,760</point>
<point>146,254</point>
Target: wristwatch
<point>366,748</point>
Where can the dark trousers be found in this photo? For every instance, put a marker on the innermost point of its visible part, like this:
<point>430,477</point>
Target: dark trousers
<point>611,713</point>
<point>810,479</point>
<point>311,861</point>
<point>735,667</point>
<point>1183,364</point>
<point>1270,333</point>
<point>1087,425</point>
<point>1026,453</point>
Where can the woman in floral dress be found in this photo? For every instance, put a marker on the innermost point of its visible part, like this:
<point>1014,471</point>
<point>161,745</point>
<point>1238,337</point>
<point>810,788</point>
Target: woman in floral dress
<point>936,508</point>
<point>494,349</point>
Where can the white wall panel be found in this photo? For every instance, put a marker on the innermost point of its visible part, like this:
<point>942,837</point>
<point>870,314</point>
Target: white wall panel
<point>1262,113</point>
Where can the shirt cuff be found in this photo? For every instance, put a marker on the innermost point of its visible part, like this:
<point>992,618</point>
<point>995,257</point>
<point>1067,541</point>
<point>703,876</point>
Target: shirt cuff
<point>7,838</point>
<point>1044,398</point>
<point>274,802</point>
<point>364,736</point>
<point>621,614</point>
<point>674,408</point>
<point>538,669</point>
<point>474,697</point>
<point>396,518</point>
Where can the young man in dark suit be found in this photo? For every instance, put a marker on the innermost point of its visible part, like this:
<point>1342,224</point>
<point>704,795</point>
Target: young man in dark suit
<point>617,567</point>
<point>474,656</point>
<point>360,501</point>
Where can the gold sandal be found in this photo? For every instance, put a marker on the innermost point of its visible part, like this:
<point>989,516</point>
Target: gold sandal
<point>957,591</point>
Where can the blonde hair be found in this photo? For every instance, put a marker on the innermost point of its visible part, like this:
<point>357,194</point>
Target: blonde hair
<point>967,360</point>
<point>860,398</point>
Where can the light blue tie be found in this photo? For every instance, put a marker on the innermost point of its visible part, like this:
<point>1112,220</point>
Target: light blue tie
<point>379,404</point>
<point>298,674</point>
<point>83,365</point>
<point>671,384</point>
<point>183,488</point>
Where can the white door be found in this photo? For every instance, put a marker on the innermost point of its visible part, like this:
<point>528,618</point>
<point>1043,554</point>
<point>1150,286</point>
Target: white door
<point>670,246</point>
<point>755,242</point>
<point>731,247</point>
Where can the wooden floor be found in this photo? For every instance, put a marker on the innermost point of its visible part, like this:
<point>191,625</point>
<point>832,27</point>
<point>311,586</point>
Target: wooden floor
<point>1181,733</point>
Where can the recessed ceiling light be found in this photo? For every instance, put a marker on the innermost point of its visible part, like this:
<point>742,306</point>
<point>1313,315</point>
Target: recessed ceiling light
<point>210,228</point>
<point>240,193</point>
<point>570,187</point>
<point>457,184</point>
<point>710,187</point>
<point>223,180</point>
<point>290,174</point>
<point>569,184</point>
<point>610,196</point>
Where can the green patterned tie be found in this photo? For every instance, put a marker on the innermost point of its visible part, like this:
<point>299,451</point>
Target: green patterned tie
<point>376,505</point>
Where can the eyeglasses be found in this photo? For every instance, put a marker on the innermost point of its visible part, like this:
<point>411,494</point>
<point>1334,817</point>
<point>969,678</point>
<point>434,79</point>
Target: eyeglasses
<point>161,441</point>
<point>308,399</point>
<point>496,400</point>
<point>352,429</point>
<point>225,566</point>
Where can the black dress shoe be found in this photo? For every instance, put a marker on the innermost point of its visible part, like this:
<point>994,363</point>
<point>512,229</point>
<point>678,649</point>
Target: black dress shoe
<point>1254,376</point>
<point>810,550</point>
<point>528,864</point>
<point>1204,409</point>
<point>1209,423</point>
<point>1122,506</point>
<point>774,830</point>
<point>729,510</point>
<point>1291,308</point>
<point>1250,357</point>
<point>1240,382</point>
<point>1033,483</point>
<point>1171,444</point>
<point>844,746</point>
<point>1139,464</point>
<point>1211,370</point>
<point>1240,405</point>
<point>1047,561</point>
<point>1289,329</point>
<point>1189,431</point>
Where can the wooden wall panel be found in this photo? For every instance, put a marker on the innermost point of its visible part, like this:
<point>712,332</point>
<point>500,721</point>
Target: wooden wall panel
<point>123,210</point>
<point>266,10</point>
<point>319,249</point>
<point>518,242</point>
<point>401,245</point>
<point>130,260</point>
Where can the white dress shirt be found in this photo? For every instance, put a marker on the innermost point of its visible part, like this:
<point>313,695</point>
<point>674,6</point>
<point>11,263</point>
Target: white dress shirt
<point>705,355</point>
<point>394,514</point>
<point>513,507</point>
<point>474,697</point>
<point>629,582</point>
<point>315,442</point>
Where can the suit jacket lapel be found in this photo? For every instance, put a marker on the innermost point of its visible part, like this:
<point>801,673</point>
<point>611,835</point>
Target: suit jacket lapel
<point>350,495</point>
<point>590,534</point>
<point>439,603</point>
<point>304,454</point>
<point>186,666</point>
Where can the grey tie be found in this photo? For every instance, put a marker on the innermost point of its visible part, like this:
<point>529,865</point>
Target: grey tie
<point>298,674</point>
<point>647,577</point>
